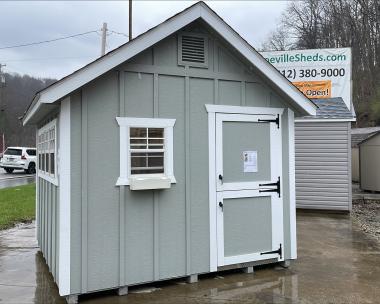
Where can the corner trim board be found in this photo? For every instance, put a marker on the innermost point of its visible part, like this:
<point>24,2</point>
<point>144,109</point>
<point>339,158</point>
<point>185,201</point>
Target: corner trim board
<point>64,199</point>
<point>292,186</point>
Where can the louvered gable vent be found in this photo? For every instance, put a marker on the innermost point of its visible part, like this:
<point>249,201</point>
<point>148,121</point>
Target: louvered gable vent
<point>193,50</point>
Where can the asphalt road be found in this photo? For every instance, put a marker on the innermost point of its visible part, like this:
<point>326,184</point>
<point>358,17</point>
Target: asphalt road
<point>17,178</point>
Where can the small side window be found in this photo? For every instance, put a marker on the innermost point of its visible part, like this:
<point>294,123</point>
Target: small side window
<point>46,151</point>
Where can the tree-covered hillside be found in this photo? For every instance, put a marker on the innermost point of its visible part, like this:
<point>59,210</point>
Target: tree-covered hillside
<point>16,95</point>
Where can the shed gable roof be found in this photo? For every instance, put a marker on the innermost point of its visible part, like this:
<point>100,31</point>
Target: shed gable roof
<point>121,54</point>
<point>369,137</point>
<point>358,135</point>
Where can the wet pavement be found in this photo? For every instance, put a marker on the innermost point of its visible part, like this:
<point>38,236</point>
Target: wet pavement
<point>337,264</point>
<point>17,178</point>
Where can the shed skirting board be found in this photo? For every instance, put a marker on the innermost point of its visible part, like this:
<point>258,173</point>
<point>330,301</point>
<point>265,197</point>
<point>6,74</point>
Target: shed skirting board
<point>64,198</point>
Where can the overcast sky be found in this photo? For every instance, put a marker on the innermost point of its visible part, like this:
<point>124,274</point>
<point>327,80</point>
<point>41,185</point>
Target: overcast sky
<point>31,21</point>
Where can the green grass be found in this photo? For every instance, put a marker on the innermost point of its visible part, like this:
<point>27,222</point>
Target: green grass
<point>17,204</point>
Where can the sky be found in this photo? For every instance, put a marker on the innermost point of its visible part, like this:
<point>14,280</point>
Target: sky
<point>24,22</point>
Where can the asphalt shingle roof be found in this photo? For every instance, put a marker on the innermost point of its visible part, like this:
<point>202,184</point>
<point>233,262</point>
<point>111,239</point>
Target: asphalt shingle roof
<point>360,134</point>
<point>331,108</point>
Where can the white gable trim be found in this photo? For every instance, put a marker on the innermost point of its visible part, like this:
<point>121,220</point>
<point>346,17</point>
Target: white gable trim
<point>151,37</point>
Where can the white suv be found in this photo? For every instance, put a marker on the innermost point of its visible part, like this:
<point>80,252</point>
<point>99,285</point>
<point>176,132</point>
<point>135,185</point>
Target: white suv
<point>19,158</point>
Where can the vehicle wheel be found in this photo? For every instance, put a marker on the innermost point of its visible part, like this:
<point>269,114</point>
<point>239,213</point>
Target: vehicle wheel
<point>8,170</point>
<point>31,168</point>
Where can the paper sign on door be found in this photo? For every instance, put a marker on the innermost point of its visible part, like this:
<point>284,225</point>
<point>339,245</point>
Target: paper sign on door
<point>250,161</point>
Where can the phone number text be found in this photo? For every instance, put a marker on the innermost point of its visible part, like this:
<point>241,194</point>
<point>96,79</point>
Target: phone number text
<point>312,73</point>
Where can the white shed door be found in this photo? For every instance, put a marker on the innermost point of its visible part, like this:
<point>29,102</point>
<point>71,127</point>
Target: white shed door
<point>248,175</point>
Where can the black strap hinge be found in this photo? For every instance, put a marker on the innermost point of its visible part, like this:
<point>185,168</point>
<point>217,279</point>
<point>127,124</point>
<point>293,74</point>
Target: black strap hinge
<point>278,251</point>
<point>277,120</point>
<point>277,189</point>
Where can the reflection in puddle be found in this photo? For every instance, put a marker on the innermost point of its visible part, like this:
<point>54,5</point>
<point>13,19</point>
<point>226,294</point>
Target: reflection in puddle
<point>266,286</point>
<point>330,249</point>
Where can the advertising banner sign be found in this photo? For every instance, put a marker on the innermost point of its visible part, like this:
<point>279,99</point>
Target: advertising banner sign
<point>318,73</point>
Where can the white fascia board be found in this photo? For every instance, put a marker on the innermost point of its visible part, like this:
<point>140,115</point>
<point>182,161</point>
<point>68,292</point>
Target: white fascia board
<point>325,119</point>
<point>119,56</point>
<point>36,105</point>
<point>81,77</point>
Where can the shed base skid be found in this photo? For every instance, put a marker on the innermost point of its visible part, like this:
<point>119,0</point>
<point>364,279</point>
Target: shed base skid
<point>72,299</point>
<point>285,264</point>
<point>192,279</point>
<point>122,291</point>
<point>248,269</point>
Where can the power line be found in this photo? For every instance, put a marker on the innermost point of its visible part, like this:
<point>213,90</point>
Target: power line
<point>46,41</point>
<point>47,58</point>
<point>119,33</point>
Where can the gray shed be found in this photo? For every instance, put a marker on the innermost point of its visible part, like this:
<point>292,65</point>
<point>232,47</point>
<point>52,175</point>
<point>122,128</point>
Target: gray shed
<point>171,156</point>
<point>369,162</point>
<point>357,136</point>
<point>323,157</point>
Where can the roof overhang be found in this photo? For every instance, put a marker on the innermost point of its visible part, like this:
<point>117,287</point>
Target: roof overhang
<point>325,119</point>
<point>116,57</point>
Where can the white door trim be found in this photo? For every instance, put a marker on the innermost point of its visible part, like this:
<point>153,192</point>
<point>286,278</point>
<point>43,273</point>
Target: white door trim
<point>213,199</point>
<point>212,193</point>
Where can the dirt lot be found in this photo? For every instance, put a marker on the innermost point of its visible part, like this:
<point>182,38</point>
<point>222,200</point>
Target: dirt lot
<point>367,214</point>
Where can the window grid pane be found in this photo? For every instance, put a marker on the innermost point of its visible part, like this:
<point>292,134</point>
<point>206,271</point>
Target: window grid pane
<point>46,151</point>
<point>147,150</point>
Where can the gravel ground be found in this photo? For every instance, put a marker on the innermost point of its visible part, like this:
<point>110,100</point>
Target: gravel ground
<point>367,214</point>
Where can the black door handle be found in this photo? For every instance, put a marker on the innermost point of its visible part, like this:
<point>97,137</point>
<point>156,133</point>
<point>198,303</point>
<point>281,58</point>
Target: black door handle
<point>221,205</point>
<point>221,177</point>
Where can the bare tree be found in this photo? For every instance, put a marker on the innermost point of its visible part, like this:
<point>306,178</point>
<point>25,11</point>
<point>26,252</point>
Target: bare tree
<point>312,24</point>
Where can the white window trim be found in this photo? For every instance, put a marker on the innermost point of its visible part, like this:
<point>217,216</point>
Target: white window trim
<point>127,122</point>
<point>49,177</point>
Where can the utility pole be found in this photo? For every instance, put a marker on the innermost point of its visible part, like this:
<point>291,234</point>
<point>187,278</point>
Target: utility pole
<point>104,37</point>
<point>130,21</point>
<point>2,108</point>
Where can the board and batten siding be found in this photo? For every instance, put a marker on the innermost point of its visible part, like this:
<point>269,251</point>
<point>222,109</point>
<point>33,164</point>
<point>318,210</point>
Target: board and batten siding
<point>48,226</point>
<point>121,237</point>
<point>323,165</point>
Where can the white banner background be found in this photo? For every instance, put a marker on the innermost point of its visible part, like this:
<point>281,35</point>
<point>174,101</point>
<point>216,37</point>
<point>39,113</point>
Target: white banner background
<point>316,65</point>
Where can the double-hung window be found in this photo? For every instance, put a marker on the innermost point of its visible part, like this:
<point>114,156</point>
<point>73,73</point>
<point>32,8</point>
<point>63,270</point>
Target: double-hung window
<point>47,152</point>
<point>146,152</point>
